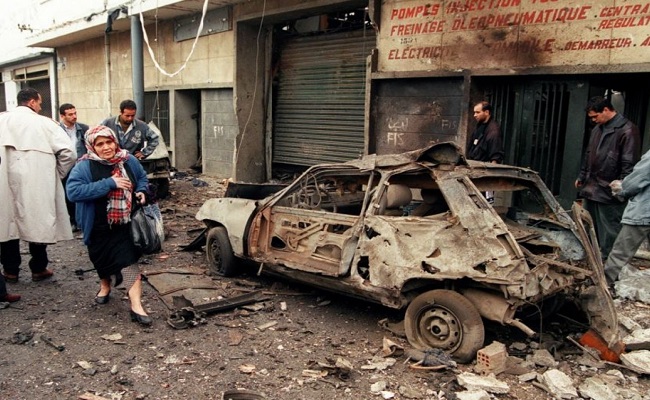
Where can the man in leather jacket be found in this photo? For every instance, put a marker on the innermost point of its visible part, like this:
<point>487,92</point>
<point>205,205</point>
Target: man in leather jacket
<point>614,148</point>
<point>132,132</point>
<point>486,142</point>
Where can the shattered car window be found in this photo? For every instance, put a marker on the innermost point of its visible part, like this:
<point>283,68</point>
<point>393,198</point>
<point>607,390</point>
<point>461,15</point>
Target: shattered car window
<point>340,192</point>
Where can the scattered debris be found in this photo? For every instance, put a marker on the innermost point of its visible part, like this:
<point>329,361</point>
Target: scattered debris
<point>527,377</point>
<point>113,337</point>
<point>390,348</point>
<point>312,373</point>
<point>473,395</point>
<point>543,358</point>
<point>596,389</point>
<point>241,394</point>
<point>247,368</point>
<point>409,392</point>
<point>488,383</point>
<point>190,315</point>
<point>396,328</point>
<point>628,323</point>
<point>84,364</point>
<point>267,325</point>
<point>638,340</point>
<point>492,358</point>
<point>432,359</point>
<point>22,337</point>
<point>633,284</point>
<point>559,384</point>
<point>49,342</point>
<point>234,337</point>
<point>90,396</point>
<point>379,364</point>
<point>341,368</point>
<point>639,360</point>
<point>378,387</point>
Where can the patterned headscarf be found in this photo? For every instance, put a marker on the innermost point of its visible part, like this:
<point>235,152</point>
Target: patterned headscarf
<point>119,200</point>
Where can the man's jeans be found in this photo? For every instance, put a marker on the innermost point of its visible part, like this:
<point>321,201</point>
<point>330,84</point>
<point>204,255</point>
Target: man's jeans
<point>626,244</point>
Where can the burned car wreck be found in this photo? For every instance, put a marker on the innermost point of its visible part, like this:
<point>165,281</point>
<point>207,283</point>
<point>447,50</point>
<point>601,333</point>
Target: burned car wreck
<point>416,231</point>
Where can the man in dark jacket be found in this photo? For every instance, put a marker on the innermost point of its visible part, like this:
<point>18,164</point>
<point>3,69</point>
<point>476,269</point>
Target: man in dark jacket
<point>614,147</point>
<point>76,131</point>
<point>486,143</point>
<point>132,132</point>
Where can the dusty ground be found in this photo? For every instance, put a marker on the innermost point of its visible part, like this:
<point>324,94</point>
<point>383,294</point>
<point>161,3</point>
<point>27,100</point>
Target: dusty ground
<point>109,356</point>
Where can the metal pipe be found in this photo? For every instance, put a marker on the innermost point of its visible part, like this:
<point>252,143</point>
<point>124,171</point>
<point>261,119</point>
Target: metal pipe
<point>495,308</point>
<point>137,65</point>
<point>109,86</point>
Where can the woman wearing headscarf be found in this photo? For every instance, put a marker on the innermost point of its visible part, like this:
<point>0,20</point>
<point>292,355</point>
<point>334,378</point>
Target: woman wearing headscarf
<point>102,185</point>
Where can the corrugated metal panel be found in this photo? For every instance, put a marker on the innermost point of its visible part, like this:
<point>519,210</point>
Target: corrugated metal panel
<point>320,107</point>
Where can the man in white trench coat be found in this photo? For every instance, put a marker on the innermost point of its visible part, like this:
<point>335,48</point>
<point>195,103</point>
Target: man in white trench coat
<point>36,153</point>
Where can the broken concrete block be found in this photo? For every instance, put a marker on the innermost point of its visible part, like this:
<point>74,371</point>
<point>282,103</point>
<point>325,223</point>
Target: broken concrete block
<point>518,346</point>
<point>589,361</point>
<point>596,389</point>
<point>530,376</point>
<point>615,375</point>
<point>409,392</point>
<point>638,340</point>
<point>473,395</point>
<point>634,284</point>
<point>559,384</point>
<point>378,387</point>
<point>628,323</point>
<point>639,359</point>
<point>543,358</point>
<point>488,383</point>
<point>492,358</point>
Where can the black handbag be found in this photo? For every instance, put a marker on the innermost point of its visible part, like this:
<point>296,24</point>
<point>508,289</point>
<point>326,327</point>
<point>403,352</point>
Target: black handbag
<point>146,229</point>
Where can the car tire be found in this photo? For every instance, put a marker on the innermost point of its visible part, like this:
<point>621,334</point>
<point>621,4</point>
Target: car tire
<point>221,260</point>
<point>446,320</point>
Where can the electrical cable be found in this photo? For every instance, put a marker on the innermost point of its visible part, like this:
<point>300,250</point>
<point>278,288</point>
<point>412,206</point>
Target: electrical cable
<point>196,39</point>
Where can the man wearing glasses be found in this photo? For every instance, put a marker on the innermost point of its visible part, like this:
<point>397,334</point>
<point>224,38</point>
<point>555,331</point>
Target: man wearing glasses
<point>614,147</point>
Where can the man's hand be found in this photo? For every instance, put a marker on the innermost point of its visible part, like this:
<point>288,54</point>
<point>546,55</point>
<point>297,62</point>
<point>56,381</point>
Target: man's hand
<point>139,155</point>
<point>616,186</point>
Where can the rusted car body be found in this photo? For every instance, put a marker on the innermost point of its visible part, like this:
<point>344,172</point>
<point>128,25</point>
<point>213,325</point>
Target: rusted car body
<point>416,230</point>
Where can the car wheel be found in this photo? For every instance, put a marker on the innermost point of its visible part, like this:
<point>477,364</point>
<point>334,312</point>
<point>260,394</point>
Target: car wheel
<point>446,320</point>
<point>221,260</point>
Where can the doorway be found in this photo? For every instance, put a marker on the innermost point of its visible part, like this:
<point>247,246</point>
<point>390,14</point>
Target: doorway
<point>544,124</point>
<point>187,128</point>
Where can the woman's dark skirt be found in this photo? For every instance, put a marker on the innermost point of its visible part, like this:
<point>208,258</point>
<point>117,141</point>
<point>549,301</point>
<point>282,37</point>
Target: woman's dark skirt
<point>111,250</point>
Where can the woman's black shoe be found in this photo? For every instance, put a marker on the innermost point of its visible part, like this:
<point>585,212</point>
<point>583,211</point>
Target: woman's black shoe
<point>141,319</point>
<point>102,299</point>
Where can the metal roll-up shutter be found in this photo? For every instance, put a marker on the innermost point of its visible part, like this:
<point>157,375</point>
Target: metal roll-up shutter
<point>320,104</point>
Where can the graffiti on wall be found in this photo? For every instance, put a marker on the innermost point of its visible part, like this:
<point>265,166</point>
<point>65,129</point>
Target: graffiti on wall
<point>464,34</point>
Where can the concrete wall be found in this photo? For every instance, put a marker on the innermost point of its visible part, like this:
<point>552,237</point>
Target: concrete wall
<point>220,129</point>
<point>211,63</point>
<point>85,76</point>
